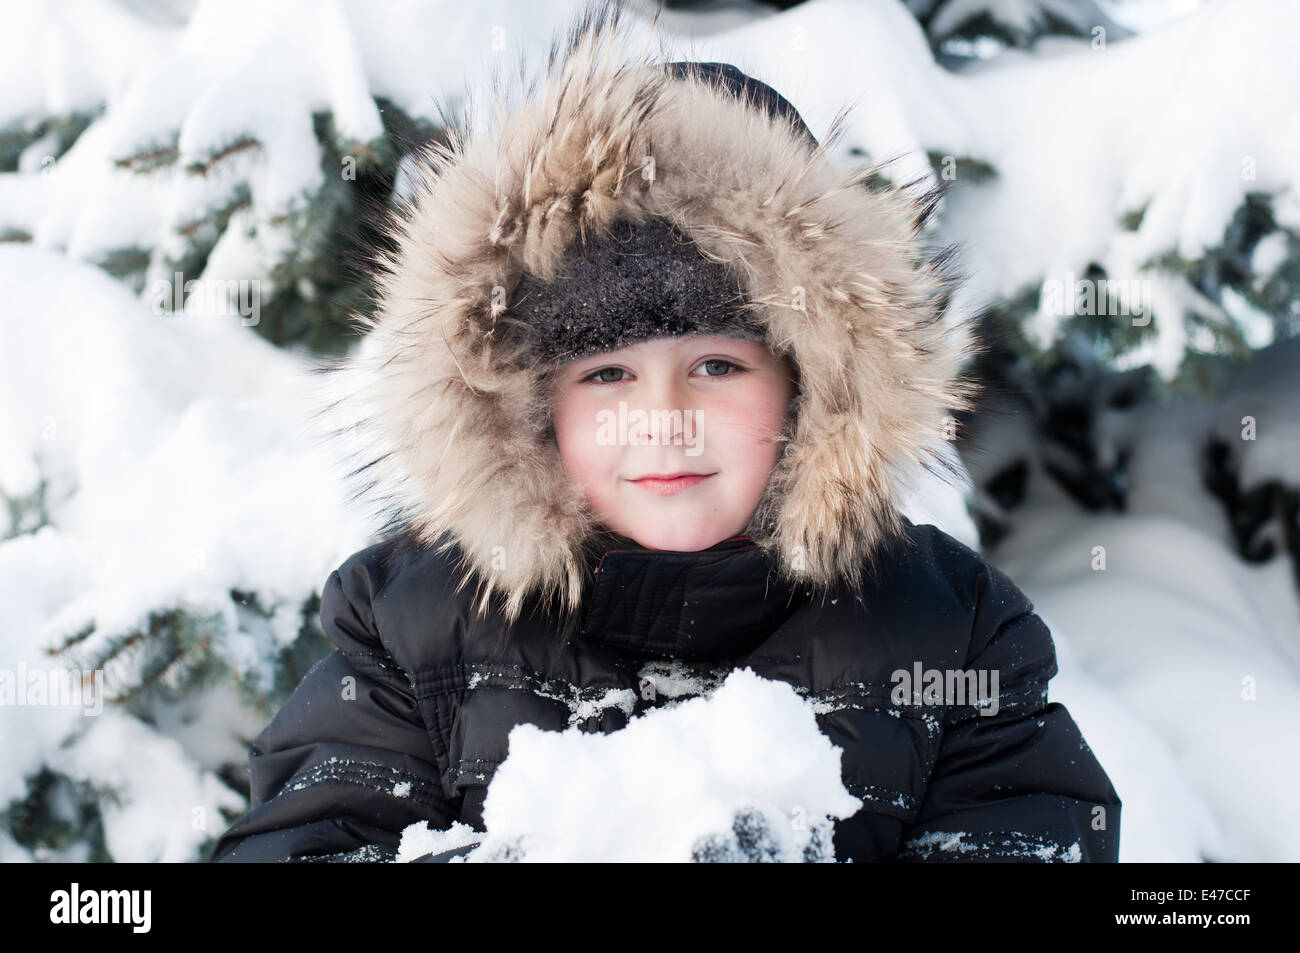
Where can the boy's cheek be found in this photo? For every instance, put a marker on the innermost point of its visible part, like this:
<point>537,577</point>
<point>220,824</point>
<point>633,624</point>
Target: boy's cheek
<point>764,401</point>
<point>584,459</point>
<point>575,425</point>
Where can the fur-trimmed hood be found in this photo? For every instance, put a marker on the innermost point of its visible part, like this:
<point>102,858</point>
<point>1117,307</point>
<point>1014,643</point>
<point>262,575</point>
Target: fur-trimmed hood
<point>453,435</point>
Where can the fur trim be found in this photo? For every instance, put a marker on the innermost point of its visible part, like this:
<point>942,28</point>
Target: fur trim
<point>456,441</point>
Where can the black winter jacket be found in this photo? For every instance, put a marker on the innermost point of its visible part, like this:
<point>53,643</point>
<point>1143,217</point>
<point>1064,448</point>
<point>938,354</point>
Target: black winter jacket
<point>338,774</point>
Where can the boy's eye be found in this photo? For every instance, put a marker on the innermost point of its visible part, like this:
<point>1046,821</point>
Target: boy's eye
<point>715,362</point>
<point>713,367</point>
<point>596,375</point>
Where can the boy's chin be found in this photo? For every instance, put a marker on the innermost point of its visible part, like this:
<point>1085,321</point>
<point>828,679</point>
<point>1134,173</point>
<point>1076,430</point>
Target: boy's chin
<point>676,538</point>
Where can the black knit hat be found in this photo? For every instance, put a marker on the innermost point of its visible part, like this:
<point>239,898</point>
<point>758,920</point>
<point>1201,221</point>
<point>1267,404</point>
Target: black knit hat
<point>643,281</point>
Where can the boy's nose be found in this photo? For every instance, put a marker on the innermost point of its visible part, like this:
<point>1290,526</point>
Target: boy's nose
<point>658,401</point>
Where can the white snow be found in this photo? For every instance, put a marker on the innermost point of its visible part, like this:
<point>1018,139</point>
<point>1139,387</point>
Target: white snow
<point>656,789</point>
<point>179,465</point>
<point>166,806</point>
<point>420,839</point>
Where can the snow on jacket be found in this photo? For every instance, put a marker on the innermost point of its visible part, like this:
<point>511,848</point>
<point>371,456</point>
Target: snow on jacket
<point>484,607</point>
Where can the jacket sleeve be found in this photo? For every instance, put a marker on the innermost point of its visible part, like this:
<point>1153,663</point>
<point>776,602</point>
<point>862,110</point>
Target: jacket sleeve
<point>1018,784</point>
<point>347,763</point>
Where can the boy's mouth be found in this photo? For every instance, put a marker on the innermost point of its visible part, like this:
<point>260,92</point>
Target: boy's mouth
<point>666,484</point>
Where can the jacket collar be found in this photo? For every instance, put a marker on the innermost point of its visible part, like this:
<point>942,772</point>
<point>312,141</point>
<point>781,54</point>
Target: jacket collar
<point>715,603</point>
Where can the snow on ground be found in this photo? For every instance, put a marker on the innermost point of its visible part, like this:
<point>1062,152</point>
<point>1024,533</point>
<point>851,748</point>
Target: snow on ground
<point>1163,817</point>
<point>1180,631</point>
<point>668,785</point>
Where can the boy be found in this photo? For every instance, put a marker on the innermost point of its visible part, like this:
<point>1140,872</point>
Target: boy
<point>651,376</point>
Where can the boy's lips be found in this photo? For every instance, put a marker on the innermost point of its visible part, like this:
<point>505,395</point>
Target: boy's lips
<point>666,484</point>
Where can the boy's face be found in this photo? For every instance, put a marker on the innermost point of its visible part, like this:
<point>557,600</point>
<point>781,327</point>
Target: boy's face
<point>710,407</point>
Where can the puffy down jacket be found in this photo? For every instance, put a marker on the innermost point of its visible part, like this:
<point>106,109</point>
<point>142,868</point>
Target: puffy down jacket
<point>408,719</point>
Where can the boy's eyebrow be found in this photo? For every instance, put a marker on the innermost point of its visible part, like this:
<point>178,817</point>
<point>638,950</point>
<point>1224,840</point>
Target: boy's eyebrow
<point>749,350</point>
<point>594,361</point>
